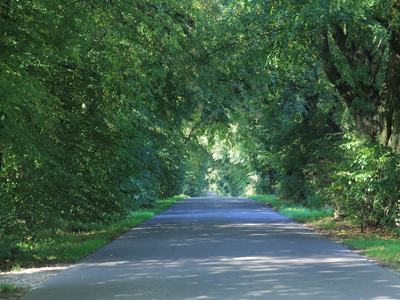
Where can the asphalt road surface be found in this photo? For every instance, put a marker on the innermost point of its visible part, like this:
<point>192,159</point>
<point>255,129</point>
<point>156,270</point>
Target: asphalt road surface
<point>221,248</point>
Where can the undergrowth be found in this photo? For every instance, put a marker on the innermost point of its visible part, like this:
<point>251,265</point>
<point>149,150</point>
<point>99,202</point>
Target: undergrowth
<point>291,210</point>
<point>6,287</point>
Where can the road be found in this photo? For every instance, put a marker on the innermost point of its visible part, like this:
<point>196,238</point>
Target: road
<point>221,248</point>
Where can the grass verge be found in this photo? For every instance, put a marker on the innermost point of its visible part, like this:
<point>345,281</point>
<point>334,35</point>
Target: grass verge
<point>9,291</point>
<point>291,210</point>
<point>380,244</point>
<point>386,249</point>
<point>68,246</point>
<point>6,287</point>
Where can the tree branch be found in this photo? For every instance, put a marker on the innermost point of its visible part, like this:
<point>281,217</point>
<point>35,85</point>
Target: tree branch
<point>330,69</point>
<point>175,17</point>
<point>382,49</point>
<point>238,41</point>
<point>348,52</point>
<point>191,132</point>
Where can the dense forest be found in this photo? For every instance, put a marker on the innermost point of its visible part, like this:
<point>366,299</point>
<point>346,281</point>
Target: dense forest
<point>109,105</point>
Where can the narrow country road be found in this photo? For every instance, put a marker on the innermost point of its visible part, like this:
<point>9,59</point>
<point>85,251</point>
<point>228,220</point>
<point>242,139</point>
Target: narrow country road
<point>221,248</point>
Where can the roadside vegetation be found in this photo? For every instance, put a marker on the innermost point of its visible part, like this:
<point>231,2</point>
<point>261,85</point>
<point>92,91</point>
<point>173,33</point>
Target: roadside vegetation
<point>73,241</point>
<point>6,287</point>
<point>9,291</point>
<point>109,106</point>
<point>379,243</point>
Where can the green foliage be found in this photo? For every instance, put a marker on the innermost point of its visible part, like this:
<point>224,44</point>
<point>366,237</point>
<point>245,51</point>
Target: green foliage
<point>7,287</point>
<point>360,180</point>
<point>288,132</point>
<point>196,166</point>
<point>98,97</point>
<point>230,175</point>
<point>329,68</point>
<point>74,240</point>
<point>109,106</point>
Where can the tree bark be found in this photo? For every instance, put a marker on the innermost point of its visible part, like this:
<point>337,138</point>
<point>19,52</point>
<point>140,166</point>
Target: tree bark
<point>271,181</point>
<point>376,113</point>
<point>389,117</point>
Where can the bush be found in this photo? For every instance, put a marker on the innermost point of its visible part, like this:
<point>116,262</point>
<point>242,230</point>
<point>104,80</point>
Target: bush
<point>360,180</point>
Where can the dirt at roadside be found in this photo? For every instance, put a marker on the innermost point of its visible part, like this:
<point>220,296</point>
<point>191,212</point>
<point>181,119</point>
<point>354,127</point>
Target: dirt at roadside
<point>27,280</point>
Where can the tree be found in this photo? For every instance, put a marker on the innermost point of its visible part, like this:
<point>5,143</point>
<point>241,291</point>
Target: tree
<point>357,43</point>
<point>98,96</point>
<point>303,67</point>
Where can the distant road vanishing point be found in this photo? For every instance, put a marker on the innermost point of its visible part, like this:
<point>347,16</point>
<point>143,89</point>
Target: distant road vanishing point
<point>212,194</point>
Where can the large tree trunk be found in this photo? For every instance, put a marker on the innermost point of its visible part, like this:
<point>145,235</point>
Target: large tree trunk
<point>389,117</point>
<point>376,113</point>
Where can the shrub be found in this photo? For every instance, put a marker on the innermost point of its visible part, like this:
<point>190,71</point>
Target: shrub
<point>360,180</point>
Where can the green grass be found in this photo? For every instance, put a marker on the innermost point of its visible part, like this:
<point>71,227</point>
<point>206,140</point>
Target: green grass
<point>271,200</point>
<point>326,223</point>
<point>66,246</point>
<point>385,248</point>
<point>7,287</point>
<point>303,214</point>
<point>291,210</point>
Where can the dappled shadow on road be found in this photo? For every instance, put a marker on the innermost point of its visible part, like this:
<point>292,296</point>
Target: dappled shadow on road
<point>228,250</point>
<point>256,274</point>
